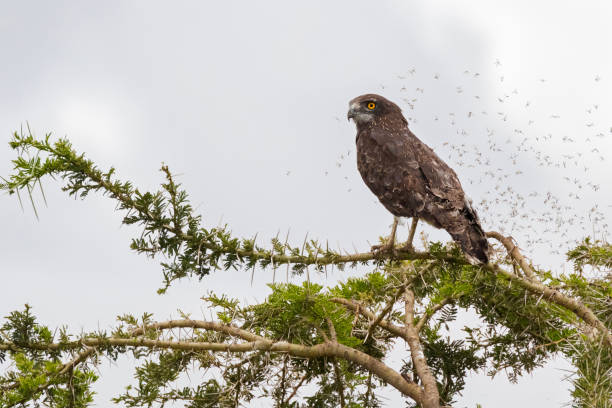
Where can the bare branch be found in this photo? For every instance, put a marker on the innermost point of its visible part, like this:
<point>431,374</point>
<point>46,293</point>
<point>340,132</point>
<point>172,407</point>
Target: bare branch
<point>332,330</point>
<point>431,397</point>
<point>514,253</point>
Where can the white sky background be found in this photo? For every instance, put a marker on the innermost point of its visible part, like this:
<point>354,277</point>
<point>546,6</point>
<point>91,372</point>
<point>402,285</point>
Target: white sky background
<point>247,102</point>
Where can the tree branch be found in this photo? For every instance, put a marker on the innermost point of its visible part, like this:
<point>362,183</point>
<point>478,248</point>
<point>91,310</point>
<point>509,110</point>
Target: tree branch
<point>326,349</point>
<point>199,324</point>
<point>514,253</point>
<point>296,388</point>
<point>332,330</point>
<point>431,397</point>
<point>359,308</point>
<point>384,312</point>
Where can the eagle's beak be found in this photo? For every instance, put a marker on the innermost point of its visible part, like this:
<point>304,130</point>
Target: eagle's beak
<point>350,115</point>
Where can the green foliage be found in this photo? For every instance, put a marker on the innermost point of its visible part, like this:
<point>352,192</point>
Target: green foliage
<point>154,376</point>
<point>38,372</point>
<point>593,380</point>
<point>298,314</point>
<point>596,254</point>
<point>21,329</point>
<point>374,288</point>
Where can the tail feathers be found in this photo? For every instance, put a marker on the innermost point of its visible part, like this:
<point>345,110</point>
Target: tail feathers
<point>474,244</point>
<point>471,237</point>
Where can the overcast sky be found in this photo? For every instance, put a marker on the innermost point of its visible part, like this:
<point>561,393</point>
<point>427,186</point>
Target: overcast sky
<point>247,102</point>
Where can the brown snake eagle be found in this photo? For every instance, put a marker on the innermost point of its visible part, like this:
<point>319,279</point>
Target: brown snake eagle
<point>409,179</point>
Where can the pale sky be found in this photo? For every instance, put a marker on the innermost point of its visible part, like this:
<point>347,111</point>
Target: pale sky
<point>247,101</point>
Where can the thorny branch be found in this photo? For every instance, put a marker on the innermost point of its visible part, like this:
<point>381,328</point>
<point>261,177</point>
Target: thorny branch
<point>253,343</point>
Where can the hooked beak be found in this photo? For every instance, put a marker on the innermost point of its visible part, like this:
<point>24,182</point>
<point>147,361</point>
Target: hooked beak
<point>350,114</point>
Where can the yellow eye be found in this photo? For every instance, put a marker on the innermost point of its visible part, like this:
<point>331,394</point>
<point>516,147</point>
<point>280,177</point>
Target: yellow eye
<point>371,105</point>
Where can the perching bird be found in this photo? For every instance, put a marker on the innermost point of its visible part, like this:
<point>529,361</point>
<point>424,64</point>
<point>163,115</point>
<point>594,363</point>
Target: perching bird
<point>409,179</point>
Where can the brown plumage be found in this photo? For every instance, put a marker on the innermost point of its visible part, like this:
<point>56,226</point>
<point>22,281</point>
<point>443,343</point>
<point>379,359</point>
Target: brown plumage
<point>408,178</point>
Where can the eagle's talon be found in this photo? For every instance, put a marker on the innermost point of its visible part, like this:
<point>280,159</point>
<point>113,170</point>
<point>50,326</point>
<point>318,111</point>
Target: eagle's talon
<point>381,250</point>
<point>407,247</point>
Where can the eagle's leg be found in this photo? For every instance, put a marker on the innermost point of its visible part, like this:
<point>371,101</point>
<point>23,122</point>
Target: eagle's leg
<point>408,245</point>
<point>390,244</point>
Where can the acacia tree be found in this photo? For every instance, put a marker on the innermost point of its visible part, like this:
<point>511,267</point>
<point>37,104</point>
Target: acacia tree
<point>307,344</point>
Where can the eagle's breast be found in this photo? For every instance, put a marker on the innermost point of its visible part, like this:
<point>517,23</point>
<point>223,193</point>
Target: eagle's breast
<point>383,159</point>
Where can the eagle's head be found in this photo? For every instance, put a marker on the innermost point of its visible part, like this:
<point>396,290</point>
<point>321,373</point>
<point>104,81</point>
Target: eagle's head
<point>366,108</point>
